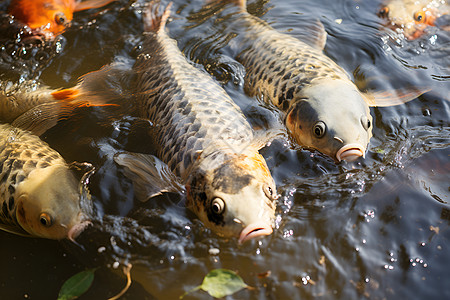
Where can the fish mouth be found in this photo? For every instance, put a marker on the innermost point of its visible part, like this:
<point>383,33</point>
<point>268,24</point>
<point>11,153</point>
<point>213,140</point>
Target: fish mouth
<point>350,152</point>
<point>255,230</point>
<point>77,229</point>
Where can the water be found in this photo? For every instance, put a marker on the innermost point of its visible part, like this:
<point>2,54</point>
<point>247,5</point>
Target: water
<point>377,228</point>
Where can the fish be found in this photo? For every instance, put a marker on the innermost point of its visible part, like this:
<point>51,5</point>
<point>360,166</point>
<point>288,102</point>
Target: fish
<point>39,194</point>
<point>204,140</point>
<point>412,17</point>
<point>49,18</point>
<point>38,108</point>
<point>322,108</point>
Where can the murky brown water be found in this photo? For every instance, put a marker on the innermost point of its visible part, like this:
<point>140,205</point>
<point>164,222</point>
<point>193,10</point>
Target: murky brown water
<point>377,228</point>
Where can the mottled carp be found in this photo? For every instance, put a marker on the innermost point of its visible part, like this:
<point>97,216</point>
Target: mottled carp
<point>50,18</point>
<point>39,194</point>
<point>412,17</point>
<point>204,139</point>
<point>323,108</point>
<point>38,108</point>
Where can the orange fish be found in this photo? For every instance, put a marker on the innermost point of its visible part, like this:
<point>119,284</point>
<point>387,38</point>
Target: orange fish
<point>50,18</point>
<point>412,17</point>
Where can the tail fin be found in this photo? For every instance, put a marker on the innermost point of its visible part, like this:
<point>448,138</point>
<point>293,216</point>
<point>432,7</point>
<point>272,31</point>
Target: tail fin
<point>155,21</point>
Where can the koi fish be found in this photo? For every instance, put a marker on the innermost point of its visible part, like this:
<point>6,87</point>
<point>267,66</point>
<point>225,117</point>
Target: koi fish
<point>37,109</point>
<point>412,17</point>
<point>50,18</point>
<point>39,194</point>
<point>323,109</point>
<point>204,139</point>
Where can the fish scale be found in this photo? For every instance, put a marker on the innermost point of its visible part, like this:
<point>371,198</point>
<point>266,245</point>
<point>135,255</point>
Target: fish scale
<point>204,139</point>
<point>185,126</point>
<point>20,153</point>
<point>39,194</point>
<point>285,63</point>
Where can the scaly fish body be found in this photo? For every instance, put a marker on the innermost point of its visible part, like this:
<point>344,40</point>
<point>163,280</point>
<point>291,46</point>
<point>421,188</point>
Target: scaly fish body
<point>323,109</point>
<point>39,195</point>
<point>49,17</point>
<point>412,17</point>
<point>204,138</point>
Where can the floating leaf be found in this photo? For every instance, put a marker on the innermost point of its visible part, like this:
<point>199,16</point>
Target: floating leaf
<point>76,285</point>
<point>220,283</point>
<point>379,151</point>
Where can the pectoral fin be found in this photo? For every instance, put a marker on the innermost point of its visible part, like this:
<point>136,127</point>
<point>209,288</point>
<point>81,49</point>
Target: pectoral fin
<point>150,176</point>
<point>397,97</point>
<point>14,229</point>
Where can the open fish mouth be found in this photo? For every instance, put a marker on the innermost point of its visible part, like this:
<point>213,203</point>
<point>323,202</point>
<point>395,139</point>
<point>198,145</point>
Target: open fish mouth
<point>350,152</point>
<point>77,229</point>
<point>255,230</point>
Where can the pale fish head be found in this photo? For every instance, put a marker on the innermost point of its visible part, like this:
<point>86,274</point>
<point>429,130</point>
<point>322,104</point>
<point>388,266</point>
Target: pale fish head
<point>233,195</point>
<point>411,17</point>
<point>332,117</point>
<point>48,204</point>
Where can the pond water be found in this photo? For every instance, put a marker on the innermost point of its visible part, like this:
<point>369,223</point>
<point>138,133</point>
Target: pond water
<point>377,228</point>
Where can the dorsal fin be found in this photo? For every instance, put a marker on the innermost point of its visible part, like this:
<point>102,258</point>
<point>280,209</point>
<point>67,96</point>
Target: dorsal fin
<point>154,21</point>
<point>83,5</point>
<point>314,34</point>
<point>242,4</point>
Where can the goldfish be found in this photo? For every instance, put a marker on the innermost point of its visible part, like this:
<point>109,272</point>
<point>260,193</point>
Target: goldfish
<point>203,138</point>
<point>323,109</point>
<point>39,194</point>
<point>412,17</point>
<point>50,18</point>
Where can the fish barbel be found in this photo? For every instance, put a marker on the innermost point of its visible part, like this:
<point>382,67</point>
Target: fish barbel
<point>323,108</point>
<point>50,17</point>
<point>39,194</point>
<point>412,17</point>
<point>204,139</point>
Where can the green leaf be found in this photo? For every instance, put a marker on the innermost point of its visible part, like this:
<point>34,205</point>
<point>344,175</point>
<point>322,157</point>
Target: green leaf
<point>379,150</point>
<point>222,282</point>
<point>76,285</point>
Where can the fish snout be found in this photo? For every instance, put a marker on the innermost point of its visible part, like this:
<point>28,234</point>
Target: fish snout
<point>77,229</point>
<point>350,152</point>
<point>255,230</point>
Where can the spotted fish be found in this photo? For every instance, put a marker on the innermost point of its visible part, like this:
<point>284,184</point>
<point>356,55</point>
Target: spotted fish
<point>323,109</point>
<point>39,194</point>
<point>204,139</point>
<point>412,17</point>
<point>38,108</point>
<point>50,18</point>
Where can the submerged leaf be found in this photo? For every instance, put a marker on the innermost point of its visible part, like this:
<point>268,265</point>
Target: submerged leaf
<point>76,285</point>
<point>222,282</point>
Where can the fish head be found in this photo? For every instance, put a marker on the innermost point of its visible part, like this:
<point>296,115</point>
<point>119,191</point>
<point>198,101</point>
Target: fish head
<point>411,17</point>
<point>48,204</point>
<point>332,117</point>
<point>45,18</point>
<point>234,195</point>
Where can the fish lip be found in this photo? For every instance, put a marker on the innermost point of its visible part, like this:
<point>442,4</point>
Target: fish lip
<point>350,152</point>
<point>77,229</point>
<point>254,230</point>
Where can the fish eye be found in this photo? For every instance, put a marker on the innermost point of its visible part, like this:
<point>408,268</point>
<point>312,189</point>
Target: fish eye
<point>269,191</point>
<point>419,16</point>
<point>319,129</point>
<point>217,206</point>
<point>384,12</point>
<point>60,18</point>
<point>365,122</point>
<point>45,219</point>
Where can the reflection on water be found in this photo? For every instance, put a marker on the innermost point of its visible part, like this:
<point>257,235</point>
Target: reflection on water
<point>375,228</point>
